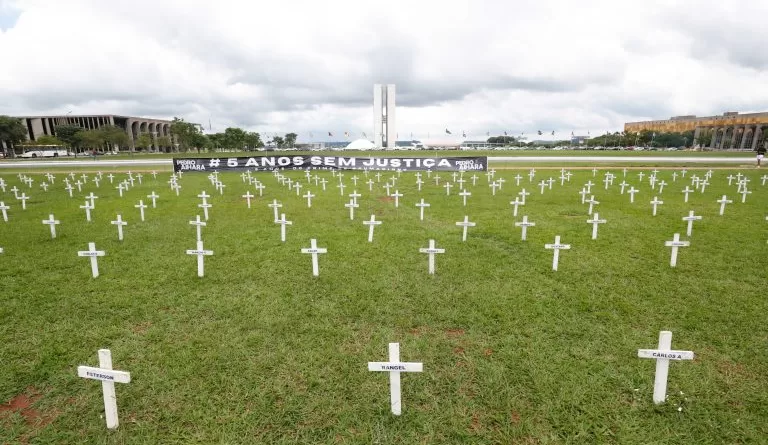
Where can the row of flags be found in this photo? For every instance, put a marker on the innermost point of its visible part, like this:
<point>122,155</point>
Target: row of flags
<point>347,134</point>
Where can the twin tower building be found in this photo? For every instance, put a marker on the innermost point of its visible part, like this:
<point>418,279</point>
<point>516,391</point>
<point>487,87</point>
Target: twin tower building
<point>384,132</point>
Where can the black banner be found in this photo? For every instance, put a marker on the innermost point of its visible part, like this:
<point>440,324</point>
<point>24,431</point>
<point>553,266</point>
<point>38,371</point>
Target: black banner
<point>316,162</point>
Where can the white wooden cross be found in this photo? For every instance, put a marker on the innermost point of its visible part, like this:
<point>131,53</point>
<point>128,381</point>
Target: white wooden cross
<point>139,176</point>
<point>675,244</point>
<point>517,179</point>
<point>341,188</point>
<point>464,194</point>
<point>248,197</point>
<point>655,203</point>
<point>314,251</point>
<point>421,206</point>
<point>494,185</point>
<point>474,180</point>
<point>550,181</point>
<point>354,195</point>
<point>460,181</point>
<point>370,185</point>
<point>591,201</point>
<point>394,367</point>
<point>4,208</point>
<point>298,187</point>
<point>354,180</point>
<point>23,198</point>
<point>69,189</point>
<point>531,174</point>
<point>594,172</point>
<point>632,192</point>
<point>92,198</point>
<point>351,205</point>
<point>662,183</point>
<point>687,190</point>
<point>120,187</point>
<point>198,224</point>
<point>260,187</point>
<point>704,185</point>
<point>525,224</point>
<point>275,205</point>
<point>623,184</point>
<point>397,195</point>
<point>201,253</point>
<point>744,193</point>
<point>595,221</point>
<point>763,179</point>
<point>542,185</point>
<point>205,206</point>
<point>44,186</point>
<point>108,378</point>
<point>323,182</point>
<point>723,201</point>
<point>465,224</point>
<point>387,186</point>
<point>93,254</point>
<point>447,187</point>
<point>641,175</point>
<point>589,185</point>
<point>154,197</point>
<point>111,178</point>
<point>52,222</point>
<point>141,206</point>
<point>690,218</point>
<point>119,223</point>
<point>437,179</point>
<point>663,354</point>
<point>371,223</point>
<point>516,203</point>
<point>309,197</point>
<point>556,247</point>
<point>283,222</point>
<point>87,208</point>
<point>15,191</point>
<point>583,194</point>
<point>431,251</point>
<point>80,187</point>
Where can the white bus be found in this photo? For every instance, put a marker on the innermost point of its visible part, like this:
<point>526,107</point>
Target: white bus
<point>44,151</point>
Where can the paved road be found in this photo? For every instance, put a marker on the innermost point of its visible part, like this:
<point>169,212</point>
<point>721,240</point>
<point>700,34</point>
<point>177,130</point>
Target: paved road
<point>491,159</point>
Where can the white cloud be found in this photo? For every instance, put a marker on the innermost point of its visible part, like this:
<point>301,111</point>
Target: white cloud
<point>308,66</point>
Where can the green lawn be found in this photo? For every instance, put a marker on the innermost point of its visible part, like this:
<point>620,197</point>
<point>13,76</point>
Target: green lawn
<point>260,351</point>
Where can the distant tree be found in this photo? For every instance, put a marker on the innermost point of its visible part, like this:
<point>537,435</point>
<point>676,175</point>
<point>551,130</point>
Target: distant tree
<point>234,138</point>
<point>69,134</point>
<point>12,131</point>
<point>290,140</point>
<point>164,142</point>
<point>49,140</point>
<point>144,140</point>
<point>185,133</point>
<point>253,140</point>
<point>278,141</point>
<point>93,139</point>
<point>114,135</point>
<point>198,140</point>
<point>506,140</point>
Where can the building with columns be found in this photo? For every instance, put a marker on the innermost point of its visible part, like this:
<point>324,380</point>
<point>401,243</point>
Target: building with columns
<point>732,130</point>
<point>134,126</point>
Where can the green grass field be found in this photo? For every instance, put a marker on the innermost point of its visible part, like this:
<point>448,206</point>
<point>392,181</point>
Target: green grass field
<point>260,351</point>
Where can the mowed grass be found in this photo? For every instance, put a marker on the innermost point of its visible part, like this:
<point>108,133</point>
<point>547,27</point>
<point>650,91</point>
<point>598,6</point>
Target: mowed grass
<point>260,351</point>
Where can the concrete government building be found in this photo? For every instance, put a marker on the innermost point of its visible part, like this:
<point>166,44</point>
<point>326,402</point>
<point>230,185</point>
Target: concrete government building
<point>46,125</point>
<point>731,130</point>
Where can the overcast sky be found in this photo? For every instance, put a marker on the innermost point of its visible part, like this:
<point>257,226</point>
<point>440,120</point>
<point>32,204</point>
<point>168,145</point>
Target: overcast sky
<point>309,66</point>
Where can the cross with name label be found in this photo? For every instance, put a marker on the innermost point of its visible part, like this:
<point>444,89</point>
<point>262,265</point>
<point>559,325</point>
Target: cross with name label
<point>93,254</point>
<point>556,247</point>
<point>314,251</point>
<point>591,201</point>
<point>595,221</point>
<point>52,222</point>
<point>274,205</point>
<point>431,251</point>
<point>723,201</point>
<point>283,222</point>
<point>87,208</point>
<point>465,224</point>
<point>675,244</point>
<point>119,223</point>
<point>655,203</point>
<point>397,195</point>
<point>351,205</point>
<point>632,192</point>
<point>371,224</point>
<point>663,354</point>
<point>524,224</point>
<point>421,206</point>
<point>248,197</point>
<point>23,198</point>
<point>516,203</point>
<point>200,253</point>
<point>198,224</point>
<point>4,209</point>
<point>141,206</point>
<point>690,218</point>
<point>394,367</point>
<point>108,378</point>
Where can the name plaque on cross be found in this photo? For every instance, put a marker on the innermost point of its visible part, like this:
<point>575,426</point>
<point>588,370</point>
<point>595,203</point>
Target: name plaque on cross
<point>394,367</point>
<point>108,378</point>
<point>663,355</point>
